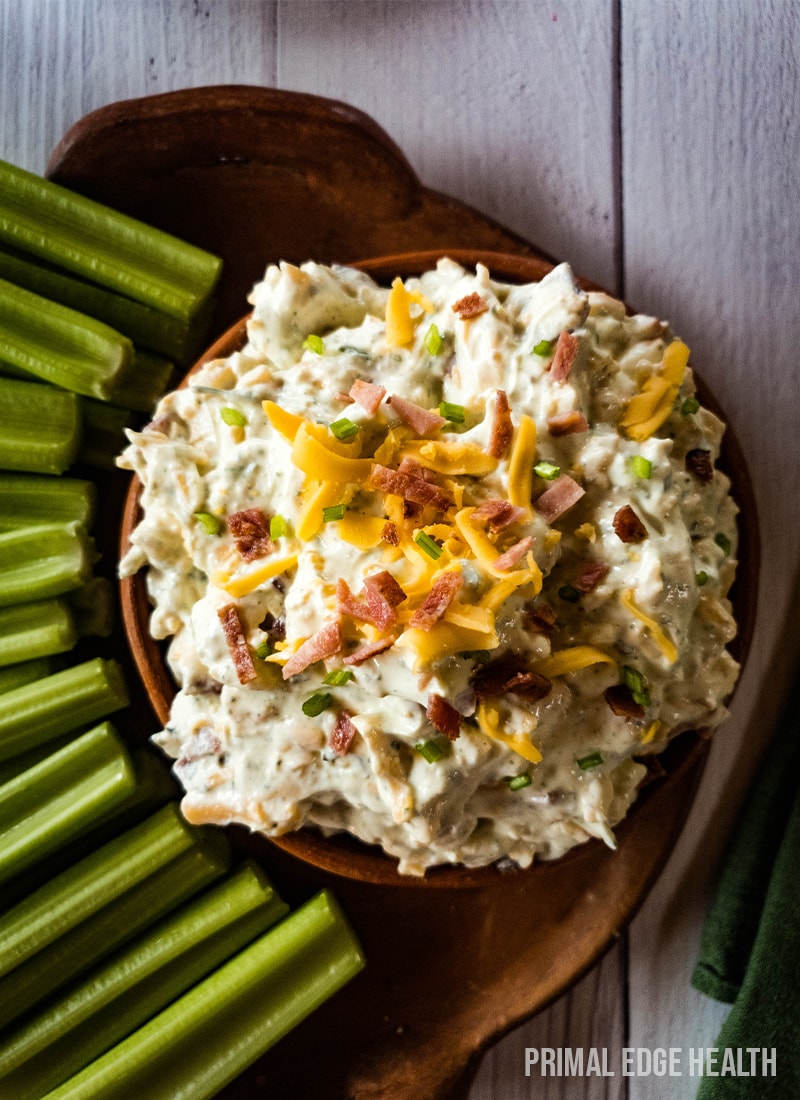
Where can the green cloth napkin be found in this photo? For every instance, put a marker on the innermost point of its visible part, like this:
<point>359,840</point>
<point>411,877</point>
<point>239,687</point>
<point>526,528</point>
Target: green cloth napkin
<point>750,947</point>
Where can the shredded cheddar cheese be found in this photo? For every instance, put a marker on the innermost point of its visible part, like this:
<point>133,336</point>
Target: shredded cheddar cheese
<point>662,640</point>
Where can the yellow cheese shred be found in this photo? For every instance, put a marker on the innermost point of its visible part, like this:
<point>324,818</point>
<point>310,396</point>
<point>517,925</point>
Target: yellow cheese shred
<point>458,458</point>
<point>489,722</point>
<point>572,659</point>
<point>662,640</point>
<point>321,460</point>
<point>444,639</point>
<point>249,582</point>
<point>520,464</point>
<point>286,423</point>
<point>317,496</point>
<point>363,532</point>
<point>647,410</point>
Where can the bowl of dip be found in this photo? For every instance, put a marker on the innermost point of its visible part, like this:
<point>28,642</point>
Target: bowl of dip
<point>433,563</point>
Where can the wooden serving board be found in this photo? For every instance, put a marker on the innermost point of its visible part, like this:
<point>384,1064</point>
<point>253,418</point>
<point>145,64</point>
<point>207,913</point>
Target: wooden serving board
<point>258,175</point>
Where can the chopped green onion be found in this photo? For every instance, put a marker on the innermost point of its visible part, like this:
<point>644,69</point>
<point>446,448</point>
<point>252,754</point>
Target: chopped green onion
<point>546,470</point>
<point>690,406</point>
<point>315,344</point>
<point>633,679</point>
<point>37,629</point>
<point>429,545</point>
<point>343,428</point>
<point>27,499</point>
<point>338,677</point>
<point>592,760</point>
<point>67,230</point>
<point>430,750</point>
<point>317,703</point>
<point>723,542</point>
<point>568,593</point>
<point>701,578</point>
<point>41,427</point>
<point>433,341</point>
<point>544,347</point>
<point>333,512</point>
<point>456,414</point>
<point>278,527</point>
<point>517,782</point>
<point>211,524</point>
<point>641,467</point>
<point>232,417</point>
<point>266,649</point>
<point>42,561</point>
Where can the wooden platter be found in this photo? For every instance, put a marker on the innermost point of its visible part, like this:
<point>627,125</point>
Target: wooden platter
<point>258,175</point>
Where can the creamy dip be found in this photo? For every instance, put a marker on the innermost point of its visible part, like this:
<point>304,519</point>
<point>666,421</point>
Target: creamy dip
<point>442,563</point>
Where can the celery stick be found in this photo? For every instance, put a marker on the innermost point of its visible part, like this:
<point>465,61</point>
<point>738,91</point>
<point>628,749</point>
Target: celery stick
<point>103,433</point>
<point>104,246</point>
<point>36,629</point>
<point>210,1034</point>
<point>47,559</point>
<point>16,676</point>
<point>64,795</point>
<point>28,499</point>
<point>41,427</point>
<point>93,607</point>
<point>145,326</point>
<point>38,712</point>
<point>136,983</point>
<point>145,383</point>
<point>44,340</point>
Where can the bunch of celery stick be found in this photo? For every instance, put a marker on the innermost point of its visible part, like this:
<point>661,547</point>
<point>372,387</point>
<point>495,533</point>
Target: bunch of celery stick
<point>138,957</point>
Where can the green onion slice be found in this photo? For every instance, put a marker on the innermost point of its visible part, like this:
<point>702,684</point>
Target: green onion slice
<point>317,703</point>
<point>433,341</point>
<point>641,467</point>
<point>266,649</point>
<point>338,677</point>
<point>591,760</point>
<point>332,512</point>
<point>701,578</point>
<point>428,544</point>
<point>690,406</point>
<point>430,750</point>
<point>315,344</point>
<point>212,525</point>
<point>517,782</point>
<point>232,417</point>
<point>546,470</point>
<point>723,542</point>
<point>544,347</point>
<point>568,593</point>
<point>344,428</point>
<point>278,527</point>
<point>456,414</point>
<point>635,682</point>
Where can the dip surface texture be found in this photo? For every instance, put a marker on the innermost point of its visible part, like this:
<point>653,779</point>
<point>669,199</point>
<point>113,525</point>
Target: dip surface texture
<point>442,565</point>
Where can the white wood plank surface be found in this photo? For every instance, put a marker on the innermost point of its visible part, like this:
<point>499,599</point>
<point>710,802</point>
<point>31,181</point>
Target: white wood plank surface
<point>655,144</point>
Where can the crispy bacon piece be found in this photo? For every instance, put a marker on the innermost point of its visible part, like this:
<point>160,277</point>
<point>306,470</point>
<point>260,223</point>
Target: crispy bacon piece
<point>349,604</point>
<point>422,421</point>
<point>590,574</point>
<point>342,734</point>
<point>368,395</point>
<point>510,674</point>
<point>444,717</point>
<point>564,356</point>
<point>390,534</point>
<point>514,554</point>
<point>539,618</point>
<point>250,528</point>
<point>324,643</point>
<point>443,591</point>
<point>558,498</point>
<point>622,703</point>
<point>627,525</point>
<point>567,423</point>
<point>499,514</point>
<point>698,462</point>
<point>411,467</point>
<point>234,636</point>
<point>367,650</point>
<point>470,306</point>
<point>383,595</point>
<point>502,428</point>
<point>415,489</point>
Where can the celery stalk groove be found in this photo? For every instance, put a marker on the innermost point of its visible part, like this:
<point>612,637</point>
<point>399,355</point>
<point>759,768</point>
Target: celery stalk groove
<point>37,629</point>
<point>41,427</point>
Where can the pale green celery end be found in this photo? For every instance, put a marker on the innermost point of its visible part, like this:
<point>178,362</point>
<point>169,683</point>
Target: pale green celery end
<point>206,1038</point>
<point>137,982</point>
<point>41,427</point>
<point>106,929</point>
<point>28,499</point>
<point>28,672</point>
<point>54,344</point>
<point>44,560</point>
<point>103,245</point>
<point>62,797</point>
<point>38,629</point>
<point>93,607</point>
<point>35,713</point>
<point>145,383</point>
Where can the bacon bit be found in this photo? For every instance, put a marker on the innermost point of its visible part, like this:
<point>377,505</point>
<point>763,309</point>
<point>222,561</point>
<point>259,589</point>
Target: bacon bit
<point>564,356</point>
<point>390,533</point>
<point>514,554</point>
<point>590,575</point>
<point>443,591</point>
<point>348,604</point>
<point>502,430</point>
<point>498,513</point>
<point>383,595</point>
<point>234,636</point>
<point>323,644</point>
<point>698,462</point>
<point>567,423</point>
<point>415,489</point>
<point>622,703</point>
<point>411,467</point>
<point>510,674</point>
<point>443,716</point>
<point>422,421</point>
<point>368,395</point>
<point>342,734</point>
<point>470,306</point>
<point>558,498</point>
<point>251,531</point>
<point>627,525</point>
<point>539,618</point>
<point>369,649</point>
<point>345,398</point>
